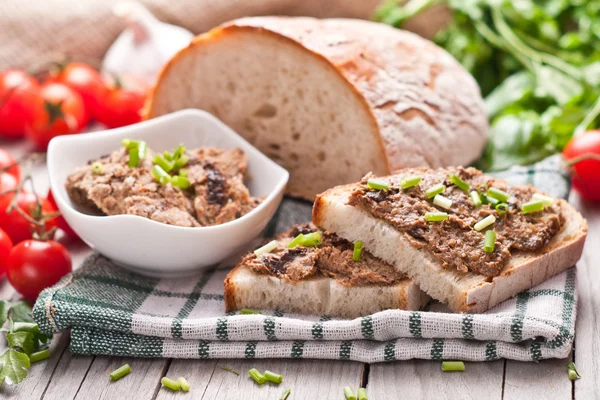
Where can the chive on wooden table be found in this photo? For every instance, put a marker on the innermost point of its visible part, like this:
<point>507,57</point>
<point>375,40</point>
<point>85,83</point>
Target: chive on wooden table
<point>67,376</point>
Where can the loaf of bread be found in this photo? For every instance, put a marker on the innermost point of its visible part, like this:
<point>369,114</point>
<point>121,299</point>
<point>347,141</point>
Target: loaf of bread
<point>329,99</point>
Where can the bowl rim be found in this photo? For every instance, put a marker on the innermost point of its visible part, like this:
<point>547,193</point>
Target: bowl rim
<point>282,173</point>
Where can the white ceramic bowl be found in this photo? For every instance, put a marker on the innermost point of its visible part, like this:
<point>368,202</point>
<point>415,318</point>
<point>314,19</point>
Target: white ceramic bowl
<point>149,247</point>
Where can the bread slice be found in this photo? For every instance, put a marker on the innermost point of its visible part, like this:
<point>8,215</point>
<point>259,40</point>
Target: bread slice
<point>329,99</point>
<point>463,292</point>
<point>318,295</point>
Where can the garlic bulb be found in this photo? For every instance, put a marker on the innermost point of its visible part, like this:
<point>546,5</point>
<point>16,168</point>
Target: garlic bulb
<point>144,46</point>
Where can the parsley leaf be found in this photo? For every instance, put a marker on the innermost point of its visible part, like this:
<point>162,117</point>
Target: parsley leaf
<point>4,307</point>
<point>14,366</point>
<point>22,340</point>
<point>21,312</point>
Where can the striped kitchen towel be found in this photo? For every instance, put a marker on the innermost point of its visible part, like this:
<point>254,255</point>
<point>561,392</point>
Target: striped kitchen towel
<point>112,311</point>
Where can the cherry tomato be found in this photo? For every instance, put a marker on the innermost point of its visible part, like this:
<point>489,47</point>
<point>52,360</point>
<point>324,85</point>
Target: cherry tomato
<point>7,182</point>
<point>34,265</point>
<point>86,81</point>
<point>17,94</point>
<point>60,220</point>
<point>582,153</point>
<point>60,112</point>
<point>121,107</point>
<point>14,224</point>
<point>6,159</point>
<point>5,247</point>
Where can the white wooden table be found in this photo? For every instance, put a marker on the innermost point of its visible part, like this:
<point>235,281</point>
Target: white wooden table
<point>68,376</point>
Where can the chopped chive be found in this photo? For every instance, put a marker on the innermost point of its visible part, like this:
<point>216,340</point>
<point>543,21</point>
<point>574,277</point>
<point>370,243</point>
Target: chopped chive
<point>484,223</point>
<point>362,394</point>
<point>160,175</point>
<point>449,366</point>
<point>502,208</point>
<point>134,158</point>
<point>247,311</point>
<point>492,201</point>
<point>377,184</point>
<point>39,356</point>
<point>410,182</point>
<point>548,201</point>
<point>497,194</point>
<point>434,190</point>
<point>184,384</point>
<point>490,241</point>
<point>163,163</point>
<point>168,155</point>
<point>358,247</point>
<point>180,181</point>
<point>229,369</point>
<point>181,161</point>
<point>120,372</point>
<point>97,168</point>
<point>273,377</point>
<point>170,384</point>
<point>349,393</point>
<point>297,240</point>
<point>267,248</point>
<point>436,216</point>
<point>130,143</point>
<point>475,198</point>
<point>442,201</point>
<point>179,151</point>
<point>572,371</point>
<point>183,172</point>
<point>532,206</point>
<point>459,183</point>
<point>257,376</point>
<point>285,394</point>
<point>142,150</point>
<point>312,239</point>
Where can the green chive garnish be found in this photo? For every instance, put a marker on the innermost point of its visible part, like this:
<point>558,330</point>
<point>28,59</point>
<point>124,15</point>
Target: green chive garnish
<point>572,371</point>
<point>170,384</point>
<point>548,201</point>
<point>180,181</point>
<point>358,247</point>
<point>179,151</point>
<point>484,223</point>
<point>435,189</point>
<point>273,377</point>
<point>160,175</point>
<point>166,165</point>
<point>449,366</point>
<point>120,372</point>
<point>229,369</point>
<point>442,201</point>
<point>490,200</point>
<point>349,393</point>
<point>532,206</point>
<point>459,183</point>
<point>410,182</point>
<point>297,240</point>
<point>257,376</point>
<point>97,168</point>
<point>475,198</point>
<point>183,172</point>
<point>502,208</point>
<point>362,394</point>
<point>183,383</point>
<point>312,239</point>
<point>130,143</point>
<point>142,150</point>
<point>181,161</point>
<point>267,248</point>
<point>285,394</point>
<point>490,241</point>
<point>39,356</point>
<point>247,311</point>
<point>377,185</point>
<point>497,194</point>
<point>168,155</point>
<point>134,158</point>
<point>436,216</point>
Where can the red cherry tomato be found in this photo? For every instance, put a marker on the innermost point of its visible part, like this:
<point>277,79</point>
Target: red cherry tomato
<point>582,153</point>
<point>17,94</point>
<point>121,107</point>
<point>86,81</point>
<point>14,224</point>
<point>34,265</point>
<point>7,182</point>
<point>6,159</point>
<point>5,247</point>
<point>60,221</point>
<point>60,111</point>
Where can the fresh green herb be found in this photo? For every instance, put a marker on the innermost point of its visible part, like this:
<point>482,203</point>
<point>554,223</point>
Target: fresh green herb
<point>377,184</point>
<point>162,162</point>
<point>257,376</point>
<point>484,223</point>
<point>306,240</point>
<point>502,208</point>
<point>97,168</point>
<point>349,393</point>
<point>358,248</point>
<point>180,181</point>
<point>183,172</point>
<point>296,241</point>
<point>475,198</point>
<point>459,183</point>
<point>362,394</point>
<point>267,248</point>
<point>247,311</point>
<point>450,366</point>
<point>285,394</point>
<point>410,182</point>
<point>142,150</point>
<point>436,216</point>
<point>489,200</point>
<point>170,384</point>
<point>179,151</point>
<point>497,194</point>
<point>435,190</point>
<point>572,371</point>
<point>184,384</point>
<point>120,372</point>
<point>39,356</point>
<point>273,377</point>
<point>160,175</point>
<point>548,201</point>
<point>130,143</point>
<point>168,155</point>
<point>181,161</point>
<point>490,241</point>
<point>134,158</point>
<point>442,201</point>
<point>229,369</point>
<point>532,206</point>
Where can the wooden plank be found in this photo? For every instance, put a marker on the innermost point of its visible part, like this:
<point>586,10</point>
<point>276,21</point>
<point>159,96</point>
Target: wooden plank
<point>308,379</point>
<point>544,380</point>
<point>68,376</point>
<point>424,379</point>
<point>197,372</point>
<point>587,345</point>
